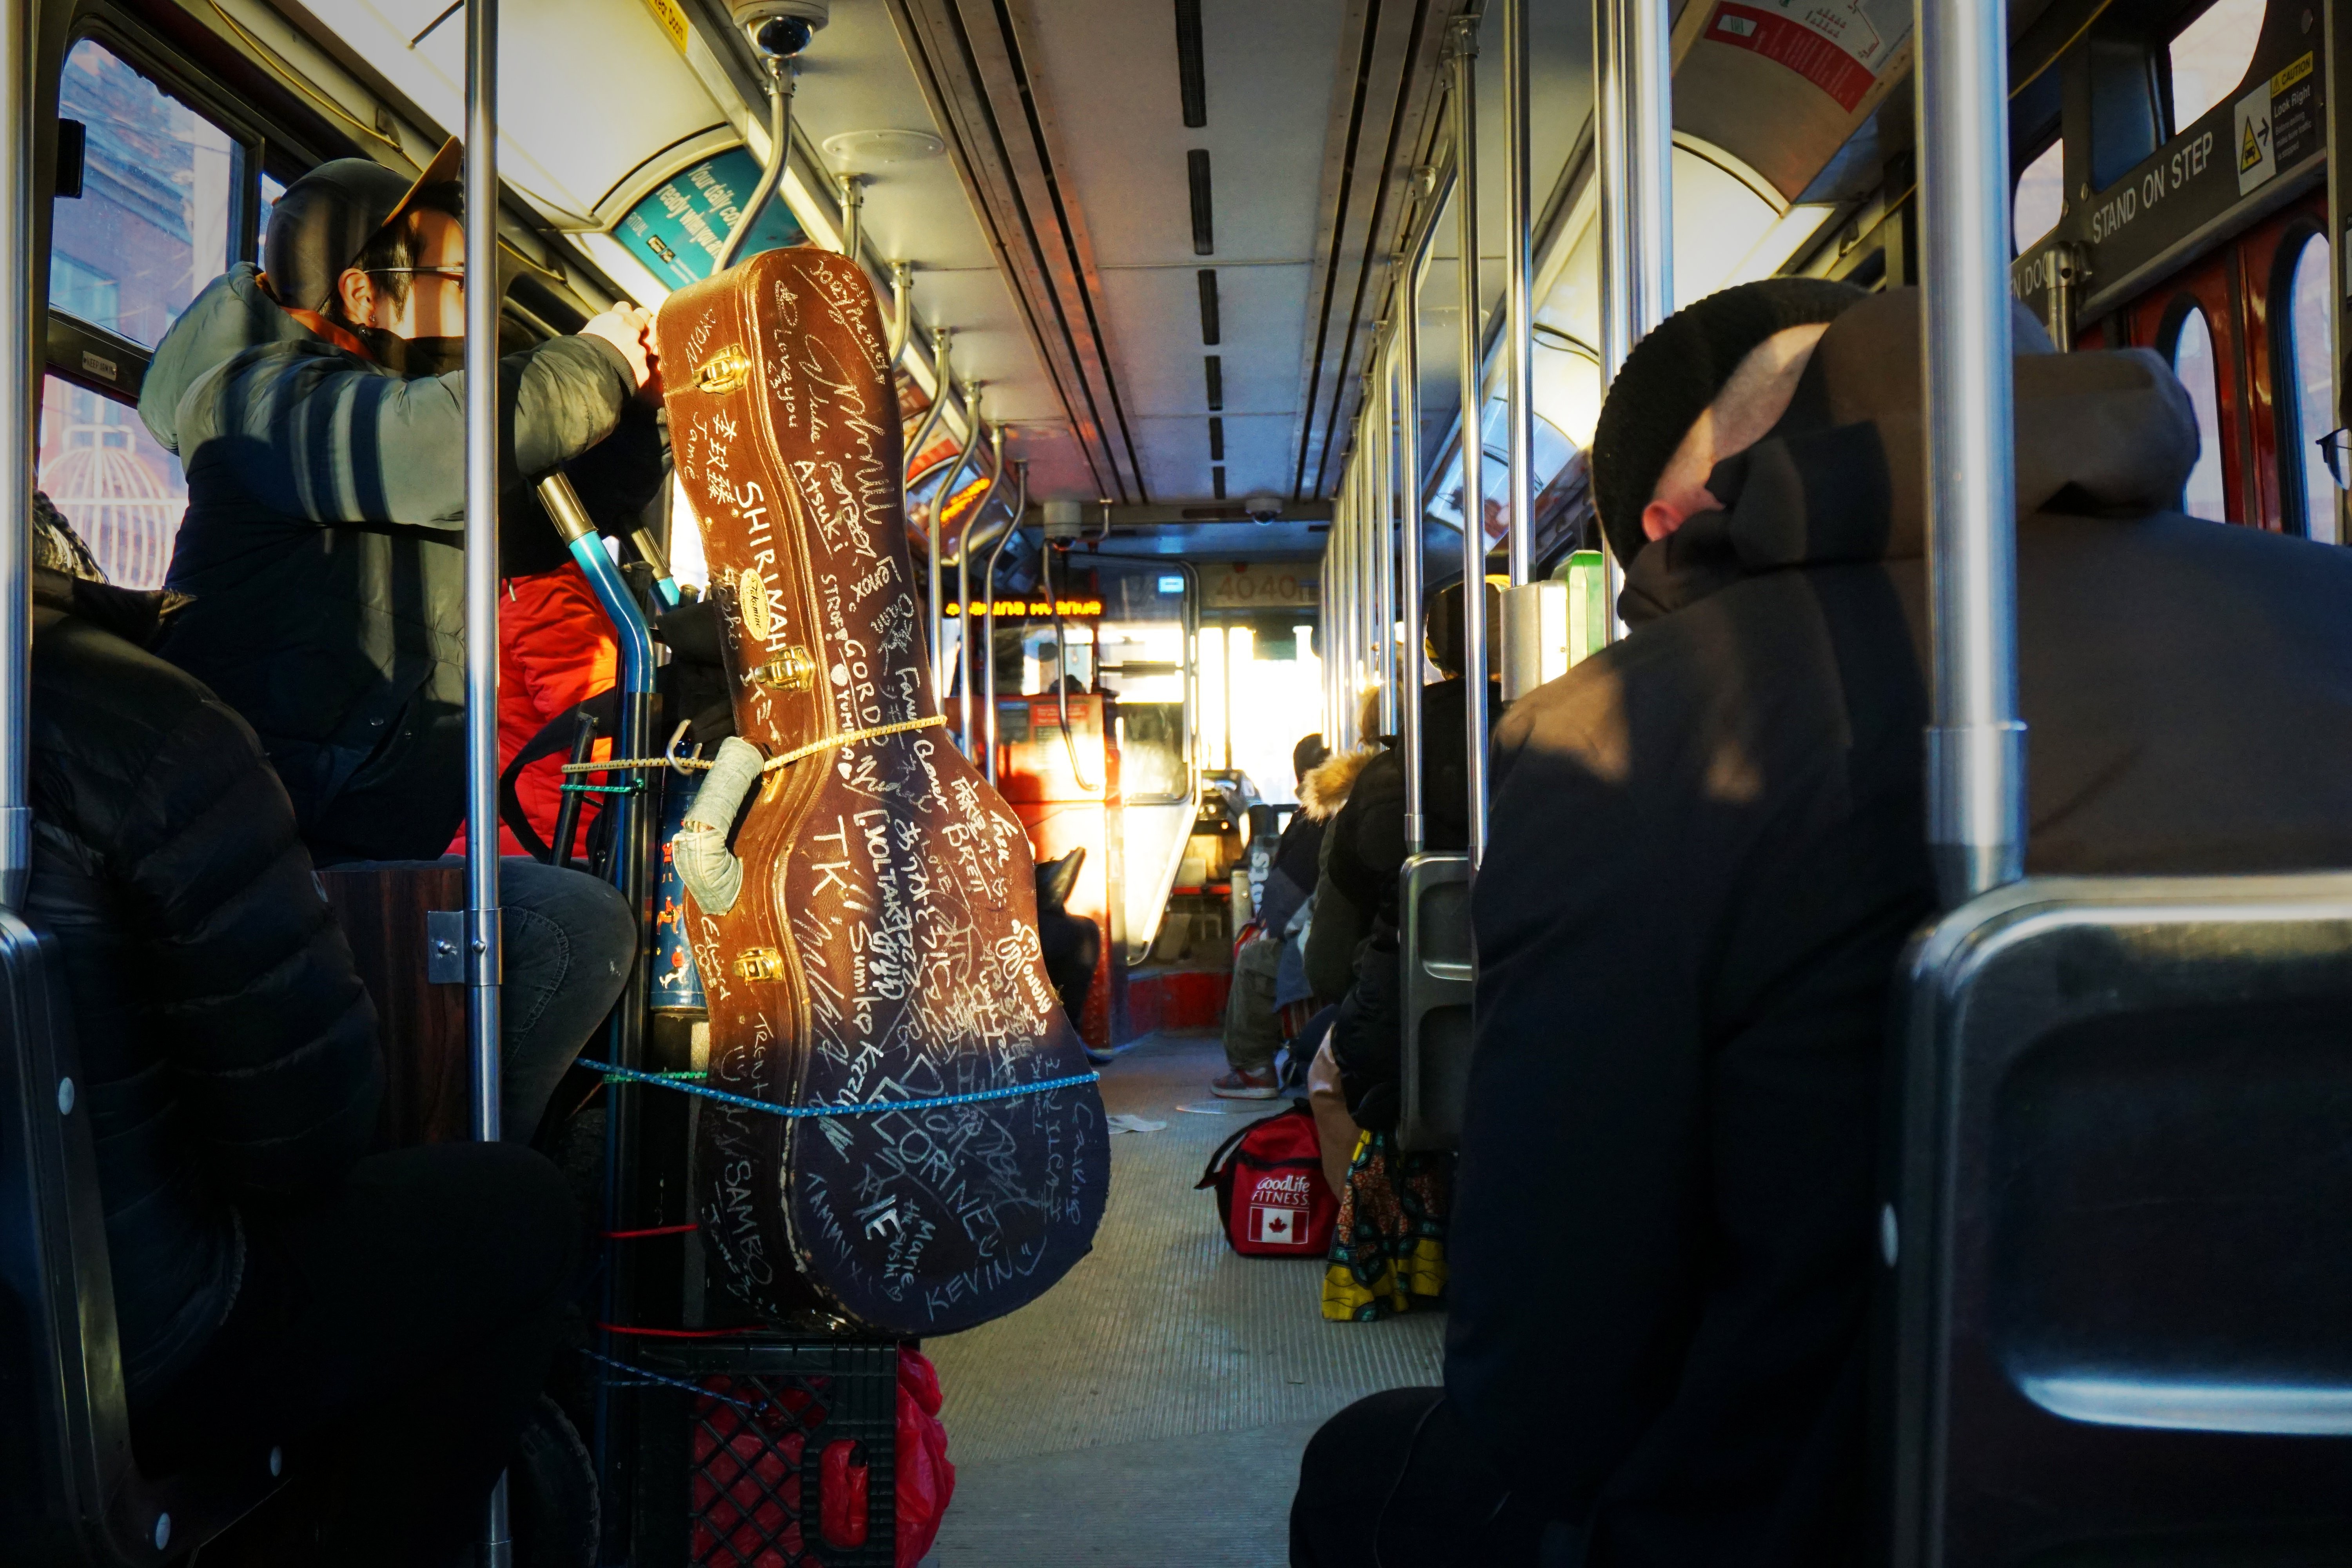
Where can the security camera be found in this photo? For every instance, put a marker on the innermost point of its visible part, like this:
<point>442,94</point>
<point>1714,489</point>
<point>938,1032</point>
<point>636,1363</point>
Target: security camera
<point>1263,509</point>
<point>780,28</point>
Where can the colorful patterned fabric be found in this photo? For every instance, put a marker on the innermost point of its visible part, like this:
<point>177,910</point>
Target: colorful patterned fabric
<point>1388,1250</point>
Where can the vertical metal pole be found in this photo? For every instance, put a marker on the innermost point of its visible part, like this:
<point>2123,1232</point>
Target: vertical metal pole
<point>1359,533</point>
<point>1323,613</point>
<point>988,591</point>
<point>964,736</point>
<point>940,499</point>
<point>19,413</point>
<point>1473,507</point>
<point>1976,745</point>
<point>1634,145</point>
<point>1518,291</point>
<point>483,922</point>
<point>1406,368</point>
<point>1343,592</point>
<point>1383,471</point>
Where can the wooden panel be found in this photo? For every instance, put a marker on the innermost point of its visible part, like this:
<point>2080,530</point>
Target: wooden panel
<point>429,1086</point>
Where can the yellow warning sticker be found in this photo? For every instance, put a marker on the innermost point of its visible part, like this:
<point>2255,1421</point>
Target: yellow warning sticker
<point>672,20</point>
<point>2289,77</point>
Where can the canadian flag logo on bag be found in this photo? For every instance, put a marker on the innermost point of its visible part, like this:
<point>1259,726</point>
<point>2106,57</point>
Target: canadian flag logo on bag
<point>1270,1189</point>
<point>1279,1210</point>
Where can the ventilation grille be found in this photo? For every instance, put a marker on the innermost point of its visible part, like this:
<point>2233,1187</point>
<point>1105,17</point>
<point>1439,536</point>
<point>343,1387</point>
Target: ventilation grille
<point>1204,228</point>
<point>1191,76</point>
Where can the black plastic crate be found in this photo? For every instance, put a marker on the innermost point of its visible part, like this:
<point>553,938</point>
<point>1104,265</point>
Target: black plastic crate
<point>735,1476</point>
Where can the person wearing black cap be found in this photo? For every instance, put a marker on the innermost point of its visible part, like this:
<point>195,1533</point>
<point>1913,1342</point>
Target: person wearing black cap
<point>318,406</point>
<point>1708,847</point>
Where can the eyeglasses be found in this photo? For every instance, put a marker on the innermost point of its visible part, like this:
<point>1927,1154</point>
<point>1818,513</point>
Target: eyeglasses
<point>2336,451</point>
<point>454,274</point>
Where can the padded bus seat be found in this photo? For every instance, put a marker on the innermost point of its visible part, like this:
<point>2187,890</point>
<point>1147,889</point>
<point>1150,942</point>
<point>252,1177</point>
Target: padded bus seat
<point>1440,973</point>
<point>429,1076</point>
<point>2123,1310</point>
<point>72,1492</point>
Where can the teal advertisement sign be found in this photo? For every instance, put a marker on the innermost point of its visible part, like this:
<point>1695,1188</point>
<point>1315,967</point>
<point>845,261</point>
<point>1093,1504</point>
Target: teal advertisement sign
<point>682,224</point>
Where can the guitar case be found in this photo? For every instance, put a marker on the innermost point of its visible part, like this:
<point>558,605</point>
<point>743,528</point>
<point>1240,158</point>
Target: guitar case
<point>884,945</point>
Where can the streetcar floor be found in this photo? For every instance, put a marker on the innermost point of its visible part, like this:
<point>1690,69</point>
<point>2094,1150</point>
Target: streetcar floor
<point>1149,1410</point>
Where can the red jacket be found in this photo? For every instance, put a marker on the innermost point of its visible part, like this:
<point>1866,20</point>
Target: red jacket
<point>556,650</point>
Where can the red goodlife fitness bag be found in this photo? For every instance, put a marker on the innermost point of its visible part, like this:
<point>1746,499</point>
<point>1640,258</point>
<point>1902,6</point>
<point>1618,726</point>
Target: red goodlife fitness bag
<point>1270,1187</point>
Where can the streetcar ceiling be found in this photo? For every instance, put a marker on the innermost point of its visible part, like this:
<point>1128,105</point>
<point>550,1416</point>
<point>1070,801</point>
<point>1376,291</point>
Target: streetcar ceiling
<point>1055,232</point>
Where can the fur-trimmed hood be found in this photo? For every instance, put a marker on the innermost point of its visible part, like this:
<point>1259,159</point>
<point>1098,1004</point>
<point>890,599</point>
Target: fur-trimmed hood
<point>1325,790</point>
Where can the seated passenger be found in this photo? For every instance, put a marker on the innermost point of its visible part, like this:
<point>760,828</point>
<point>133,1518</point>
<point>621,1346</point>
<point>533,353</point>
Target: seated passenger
<point>323,430</point>
<point>1071,945</point>
<point>1709,847</point>
<point>1253,1028</point>
<point>1359,940</point>
<point>1388,1253</point>
<point>386,1319</point>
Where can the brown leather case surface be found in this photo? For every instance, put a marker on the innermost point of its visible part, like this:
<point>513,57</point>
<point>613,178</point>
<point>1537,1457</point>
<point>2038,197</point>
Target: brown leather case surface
<point>885,945</point>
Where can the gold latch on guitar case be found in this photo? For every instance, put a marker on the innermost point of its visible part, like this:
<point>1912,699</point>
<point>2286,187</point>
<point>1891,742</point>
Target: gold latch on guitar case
<point>725,371</point>
<point>758,963</point>
<point>792,670</point>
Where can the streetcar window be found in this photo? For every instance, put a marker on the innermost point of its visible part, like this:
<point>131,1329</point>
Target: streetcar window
<point>2209,57</point>
<point>2041,198</point>
<point>2192,361</point>
<point>151,226</point>
<point>122,493</point>
<point>2307,400</point>
<point>272,188</point>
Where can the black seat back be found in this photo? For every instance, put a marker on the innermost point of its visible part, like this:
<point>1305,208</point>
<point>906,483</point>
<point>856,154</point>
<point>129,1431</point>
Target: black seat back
<point>71,1491</point>
<point>1438,972</point>
<point>2122,1232</point>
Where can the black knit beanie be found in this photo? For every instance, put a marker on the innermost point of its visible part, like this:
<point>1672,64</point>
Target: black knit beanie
<point>1674,373</point>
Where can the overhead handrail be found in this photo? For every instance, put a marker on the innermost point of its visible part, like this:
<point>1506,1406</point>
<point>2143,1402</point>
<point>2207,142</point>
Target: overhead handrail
<point>902,312</point>
<point>1473,509</point>
<point>483,957</point>
<point>931,531</point>
<point>781,74</point>
<point>852,215</point>
<point>1633,149</point>
<point>18,419</point>
<point>1062,674</point>
<point>1976,743</point>
<point>942,344</point>
<point>972,534</point>
<point>988,591</point>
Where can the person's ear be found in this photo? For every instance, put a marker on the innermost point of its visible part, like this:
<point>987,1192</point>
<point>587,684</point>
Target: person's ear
<point>355,291</point>
<point>1660,519</point>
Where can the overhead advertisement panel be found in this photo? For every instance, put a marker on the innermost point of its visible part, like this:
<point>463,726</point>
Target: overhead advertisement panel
<point>1840,45</point>
<point>680,226</point>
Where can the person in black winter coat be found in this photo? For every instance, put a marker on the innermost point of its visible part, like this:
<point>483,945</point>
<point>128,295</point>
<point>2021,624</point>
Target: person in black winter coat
<point>391,1317</point>
<point>1360,927</point>
<point>1708,849</point>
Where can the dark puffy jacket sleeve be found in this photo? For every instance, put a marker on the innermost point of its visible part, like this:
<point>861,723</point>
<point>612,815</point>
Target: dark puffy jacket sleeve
<point>318,435</point>
<point>271,1036</point>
